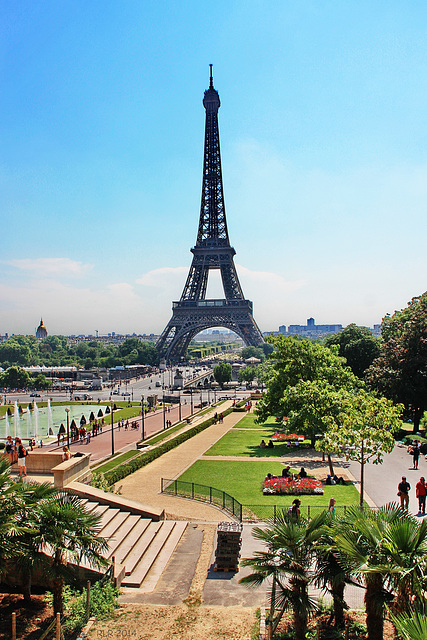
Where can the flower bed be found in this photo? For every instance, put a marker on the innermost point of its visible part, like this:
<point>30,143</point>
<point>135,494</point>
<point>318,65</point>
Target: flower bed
<point>284,486</point>
<point>283,437</point>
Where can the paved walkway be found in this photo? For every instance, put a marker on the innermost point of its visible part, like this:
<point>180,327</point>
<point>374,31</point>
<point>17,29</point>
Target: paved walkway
<point>144,485</point>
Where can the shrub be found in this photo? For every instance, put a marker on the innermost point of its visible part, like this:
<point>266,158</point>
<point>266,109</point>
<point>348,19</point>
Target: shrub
<point>283,487</point>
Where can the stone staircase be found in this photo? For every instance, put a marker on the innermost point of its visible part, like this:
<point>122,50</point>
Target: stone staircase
<point>141,547</point>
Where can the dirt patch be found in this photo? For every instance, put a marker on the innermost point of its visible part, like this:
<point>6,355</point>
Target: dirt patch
<point>183,622</point>
<point>30,620</point>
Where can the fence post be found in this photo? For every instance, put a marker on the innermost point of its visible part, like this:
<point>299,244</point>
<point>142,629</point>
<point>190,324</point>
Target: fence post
<point>87,600</point>
<point>308,512</point>
<point>192,490</point>
<point>14,626</point>
<point>241,512</point>
<point>161,485</point>
<point>210,495</point>
<point>274,514</point>
<point>176,487</point>
<point>58,626</point>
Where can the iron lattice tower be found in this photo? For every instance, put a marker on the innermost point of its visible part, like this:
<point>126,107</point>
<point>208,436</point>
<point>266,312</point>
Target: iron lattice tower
<point>194,312</point>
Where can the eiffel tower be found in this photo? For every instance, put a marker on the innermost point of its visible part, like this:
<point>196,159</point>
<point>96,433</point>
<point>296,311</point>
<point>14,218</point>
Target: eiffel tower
<point>194,312</point>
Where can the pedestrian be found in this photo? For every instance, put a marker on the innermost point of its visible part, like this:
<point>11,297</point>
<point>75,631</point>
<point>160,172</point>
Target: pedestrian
<point>22,454</point>
<point>294,509</point>
<point>416,454</point>
<point>66,453</point>
<point>403,489</point>
<point>331,506</point>
<point>421,490</point>
<point>10,449</point>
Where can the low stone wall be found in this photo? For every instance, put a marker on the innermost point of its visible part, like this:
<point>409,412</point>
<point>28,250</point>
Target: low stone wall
<point>41,462</point>
<point>116,501</point>
<point>77,468</point>
<point>63,472</point>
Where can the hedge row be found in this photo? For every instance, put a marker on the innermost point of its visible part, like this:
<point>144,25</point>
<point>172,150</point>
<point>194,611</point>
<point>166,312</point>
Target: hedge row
<point>133,465</point>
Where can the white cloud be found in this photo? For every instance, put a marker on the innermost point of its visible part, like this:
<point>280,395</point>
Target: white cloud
<point>51,267</point>
<point>163,277</point>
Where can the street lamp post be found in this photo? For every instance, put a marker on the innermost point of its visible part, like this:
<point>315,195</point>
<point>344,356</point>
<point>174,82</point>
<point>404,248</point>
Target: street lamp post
<point>112,430</point>
<point>164,413</point>
<point>67,409</point>
<point>179,396</point>
<point>191,396</point>
<point>142,418</point>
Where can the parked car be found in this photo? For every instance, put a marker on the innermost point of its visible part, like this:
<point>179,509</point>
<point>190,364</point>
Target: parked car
<point>115,392</point>
<point>35,395</point>
<point>125,393</point>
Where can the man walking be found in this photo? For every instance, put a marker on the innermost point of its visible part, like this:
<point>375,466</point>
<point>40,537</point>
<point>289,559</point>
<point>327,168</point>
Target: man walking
<point>421,490</point>
<point>403,489</point>
<point>416,453</point>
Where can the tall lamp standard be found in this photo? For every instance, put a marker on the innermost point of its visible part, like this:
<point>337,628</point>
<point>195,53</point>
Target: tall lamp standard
<point>67,410</point>
<point>191,396</point>
<point>179,396</point>
<point>142,418</point>
<point>112,430</point>
<point>164,413</point>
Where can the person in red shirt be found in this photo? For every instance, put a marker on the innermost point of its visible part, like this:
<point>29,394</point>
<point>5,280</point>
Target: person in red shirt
<point>421,495</point>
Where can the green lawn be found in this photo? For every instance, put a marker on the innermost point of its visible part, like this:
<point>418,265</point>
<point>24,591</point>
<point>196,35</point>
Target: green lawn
<point>248,422</point>
<point>242,481</point>
<point>246,443</point>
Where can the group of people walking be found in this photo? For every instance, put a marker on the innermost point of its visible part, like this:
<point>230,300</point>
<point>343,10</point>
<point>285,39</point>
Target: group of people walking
<point>403,489</point>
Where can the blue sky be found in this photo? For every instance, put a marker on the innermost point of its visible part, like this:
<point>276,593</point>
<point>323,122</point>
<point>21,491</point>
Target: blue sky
<point>323,142</point>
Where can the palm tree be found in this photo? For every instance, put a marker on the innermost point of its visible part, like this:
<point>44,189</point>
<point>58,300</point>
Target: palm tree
<point>29,497</point>
<point>405,542</point>
<point>69,533</point>
<point>287,559</point>
<point>330,574</point>
<point>360,542</point>
<point>411,626</point>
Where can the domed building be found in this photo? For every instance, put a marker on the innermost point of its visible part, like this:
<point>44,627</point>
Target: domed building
<point>41,331</point>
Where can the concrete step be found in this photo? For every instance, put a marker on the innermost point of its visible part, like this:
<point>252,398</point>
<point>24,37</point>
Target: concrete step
<point>110,527</point>
<point>107,517</point>
<point>123,550</point>
<point>118,537</point>
<point>141,547</point>
<point>148,571</point>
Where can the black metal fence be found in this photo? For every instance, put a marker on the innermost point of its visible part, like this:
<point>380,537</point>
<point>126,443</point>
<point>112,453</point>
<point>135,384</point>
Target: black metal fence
<point>201,492</point>
<point>242,512</point>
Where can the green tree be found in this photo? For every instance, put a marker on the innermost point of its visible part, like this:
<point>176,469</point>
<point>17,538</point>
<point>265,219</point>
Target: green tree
<point>357,345</point>
<point>253,352</point>
<point>247,374</point>
<point>287,562</point>
<point>400,372</point>
<point>364,429</point>
<point>223,373</point>
<point>295,361</point>
<point>361,540</point>
<point>71,533</point>
<point>16,378</point>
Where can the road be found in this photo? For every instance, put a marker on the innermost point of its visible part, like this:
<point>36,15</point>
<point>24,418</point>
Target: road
<point>381,480</point>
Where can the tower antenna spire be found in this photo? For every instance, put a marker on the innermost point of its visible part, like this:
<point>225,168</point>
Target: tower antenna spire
<point>211,76</point>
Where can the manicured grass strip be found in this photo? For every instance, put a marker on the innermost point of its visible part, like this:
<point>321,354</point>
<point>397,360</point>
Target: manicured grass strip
<point>248,422</point>
<point>243,481</point>
<point>116,461</point>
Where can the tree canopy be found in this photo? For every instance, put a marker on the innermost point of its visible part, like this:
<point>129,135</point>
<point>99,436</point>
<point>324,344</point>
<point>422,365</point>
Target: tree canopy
<point>27,351</point>
<point>222,373</point>
<point>357,345</point>
<point>400,371</point>
<point>295,361</point>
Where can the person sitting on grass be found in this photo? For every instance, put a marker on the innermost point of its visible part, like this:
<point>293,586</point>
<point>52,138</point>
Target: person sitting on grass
<point>286,472</point>
<point>302,473</point>
<point>270,444</point>
<point>262,444</point>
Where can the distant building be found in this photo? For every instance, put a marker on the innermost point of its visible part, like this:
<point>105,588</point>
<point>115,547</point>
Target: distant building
<point>41,331</point>
<point>311,329</point>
